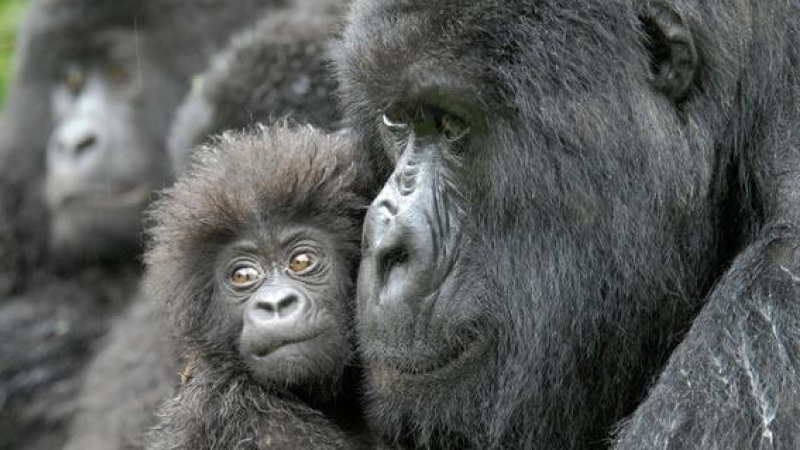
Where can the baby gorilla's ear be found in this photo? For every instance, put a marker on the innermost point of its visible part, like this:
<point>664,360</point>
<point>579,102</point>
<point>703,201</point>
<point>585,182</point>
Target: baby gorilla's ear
<point>672,49</point>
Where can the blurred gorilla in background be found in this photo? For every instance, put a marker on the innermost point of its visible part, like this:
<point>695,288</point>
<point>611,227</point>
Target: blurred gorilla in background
<point>581,195</point>
<point>274,68</point>
<point>96,84</point>
<point>278,67</point>
<point>254,258</point>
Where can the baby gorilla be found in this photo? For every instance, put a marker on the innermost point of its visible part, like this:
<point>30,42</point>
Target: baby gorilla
<point>254,257</point>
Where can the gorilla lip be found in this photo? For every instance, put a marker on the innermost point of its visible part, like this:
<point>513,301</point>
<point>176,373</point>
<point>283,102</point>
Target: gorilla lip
<point>268,350</point>
<point>107,199</point>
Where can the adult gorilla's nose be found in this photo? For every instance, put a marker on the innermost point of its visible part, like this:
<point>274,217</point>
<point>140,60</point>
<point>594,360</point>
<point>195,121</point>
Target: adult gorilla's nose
<point>74,141</point>
<point>397,248</point>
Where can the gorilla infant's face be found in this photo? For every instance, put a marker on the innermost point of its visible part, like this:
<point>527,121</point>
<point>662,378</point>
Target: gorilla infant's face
<point>105,155</point>
<point>287,306</point>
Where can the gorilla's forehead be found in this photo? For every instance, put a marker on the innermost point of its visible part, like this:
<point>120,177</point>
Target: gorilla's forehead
<point>401,52</point>
<point>271,238</point>
<point>409,31</point>
<point>390,48</point>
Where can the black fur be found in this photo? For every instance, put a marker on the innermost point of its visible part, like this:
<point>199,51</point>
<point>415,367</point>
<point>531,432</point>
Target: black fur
<point>250,187</point>
<point>615,157</point>
<point>73,294</point>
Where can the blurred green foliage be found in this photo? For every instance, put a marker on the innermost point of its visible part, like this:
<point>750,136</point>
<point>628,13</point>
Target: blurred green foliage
<point>10,15</point>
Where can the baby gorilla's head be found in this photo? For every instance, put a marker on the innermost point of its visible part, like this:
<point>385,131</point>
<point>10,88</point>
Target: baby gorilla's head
<point>254,254</point>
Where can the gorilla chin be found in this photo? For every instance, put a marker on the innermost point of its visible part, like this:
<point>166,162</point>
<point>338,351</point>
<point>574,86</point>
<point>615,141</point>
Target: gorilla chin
<point>88,232</point>
<point>296,361</point>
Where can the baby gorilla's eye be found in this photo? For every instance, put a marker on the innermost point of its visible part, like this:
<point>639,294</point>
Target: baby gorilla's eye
<point>301,262</point>
<point>244,276</point>
<point>74,78</point>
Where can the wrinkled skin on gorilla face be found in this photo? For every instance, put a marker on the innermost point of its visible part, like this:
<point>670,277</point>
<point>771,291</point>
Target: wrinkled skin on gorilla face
<point>548,226</point>
<point>106,154</point>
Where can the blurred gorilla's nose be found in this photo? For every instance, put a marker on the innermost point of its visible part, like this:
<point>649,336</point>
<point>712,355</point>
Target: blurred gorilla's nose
<point>76,140</point>
<point>275,304</point>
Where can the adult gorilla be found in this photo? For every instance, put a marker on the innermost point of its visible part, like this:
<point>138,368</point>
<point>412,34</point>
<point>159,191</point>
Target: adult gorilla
<point>571,181</point>
<point>82,148</point>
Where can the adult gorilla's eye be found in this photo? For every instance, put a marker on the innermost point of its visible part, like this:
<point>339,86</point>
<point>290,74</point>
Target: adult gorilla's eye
<point>301,262</point>
<point>396,121</point>
<point>452,127</point>
<point>244,275</point>
<point>118,74</point>
<point>74,78</point>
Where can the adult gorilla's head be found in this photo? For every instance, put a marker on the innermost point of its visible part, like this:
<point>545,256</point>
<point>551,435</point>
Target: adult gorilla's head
<point>110,75</point>
<point>538,242</point>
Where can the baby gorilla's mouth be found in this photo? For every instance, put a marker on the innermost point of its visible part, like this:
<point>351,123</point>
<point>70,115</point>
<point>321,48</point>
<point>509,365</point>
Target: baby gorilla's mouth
<point>277,344</point>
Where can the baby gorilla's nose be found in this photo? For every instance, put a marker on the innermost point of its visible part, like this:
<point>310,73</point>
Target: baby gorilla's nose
<point>275,305</point>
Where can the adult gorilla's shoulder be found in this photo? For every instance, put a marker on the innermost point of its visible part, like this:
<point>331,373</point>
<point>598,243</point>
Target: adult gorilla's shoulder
<point>571,180</point>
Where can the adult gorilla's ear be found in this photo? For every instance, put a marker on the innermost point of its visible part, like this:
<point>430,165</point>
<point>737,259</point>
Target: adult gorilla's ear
<point>672,50</point>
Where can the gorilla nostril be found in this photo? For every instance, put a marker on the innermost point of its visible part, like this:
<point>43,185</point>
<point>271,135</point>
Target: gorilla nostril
<point>279,306</point>
<point>391,259</point>
<point>288,305</point>
<point>85,145</point>
<point>389,205</point>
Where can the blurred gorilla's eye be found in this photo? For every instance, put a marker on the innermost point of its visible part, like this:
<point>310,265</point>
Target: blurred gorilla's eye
<point>74,78</point>
<point>118,74</point>
<point>244,275</point>
<point>301,262</point>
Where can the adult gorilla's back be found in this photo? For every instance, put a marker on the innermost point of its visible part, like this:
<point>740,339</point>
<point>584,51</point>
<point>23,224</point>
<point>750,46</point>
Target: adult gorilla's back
<point>570,182</point>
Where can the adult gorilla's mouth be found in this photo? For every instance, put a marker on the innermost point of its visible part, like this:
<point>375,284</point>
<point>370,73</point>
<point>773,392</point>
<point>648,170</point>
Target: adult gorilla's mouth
<point>470,350</point>
<point>105,197</point>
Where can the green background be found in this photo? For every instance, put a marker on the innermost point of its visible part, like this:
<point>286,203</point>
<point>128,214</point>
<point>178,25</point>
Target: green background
<point>10,15</point>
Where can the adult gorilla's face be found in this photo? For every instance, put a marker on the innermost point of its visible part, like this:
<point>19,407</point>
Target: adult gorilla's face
<point>106,154</point>
<point>534,225</point>
<point>414,237</point>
